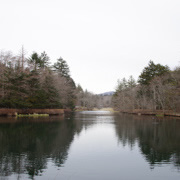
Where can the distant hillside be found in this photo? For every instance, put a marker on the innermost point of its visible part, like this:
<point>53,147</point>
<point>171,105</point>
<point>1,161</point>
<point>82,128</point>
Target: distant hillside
<point>110,93</point>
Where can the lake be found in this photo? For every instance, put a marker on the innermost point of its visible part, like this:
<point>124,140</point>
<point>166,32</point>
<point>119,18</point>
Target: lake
<point>90,145</point>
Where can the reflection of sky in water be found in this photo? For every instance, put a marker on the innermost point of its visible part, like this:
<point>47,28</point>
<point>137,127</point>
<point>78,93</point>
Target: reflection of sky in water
<point>109,147</point>
<point>95,154</point>
<point>96,112</point>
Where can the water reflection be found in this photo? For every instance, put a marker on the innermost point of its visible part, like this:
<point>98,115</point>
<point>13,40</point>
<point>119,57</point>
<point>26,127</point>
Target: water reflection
<point>157,137</point>
<point>27,145</point>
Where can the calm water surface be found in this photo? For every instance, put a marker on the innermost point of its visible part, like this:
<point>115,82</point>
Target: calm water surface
<point>90,146</point>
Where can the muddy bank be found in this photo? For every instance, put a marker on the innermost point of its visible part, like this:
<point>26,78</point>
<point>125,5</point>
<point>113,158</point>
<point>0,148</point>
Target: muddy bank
<point>14,112</point>
<point>150,112</point>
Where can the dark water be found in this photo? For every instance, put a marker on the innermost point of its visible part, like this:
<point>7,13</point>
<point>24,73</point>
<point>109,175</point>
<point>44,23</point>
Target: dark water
<point>90,146</point>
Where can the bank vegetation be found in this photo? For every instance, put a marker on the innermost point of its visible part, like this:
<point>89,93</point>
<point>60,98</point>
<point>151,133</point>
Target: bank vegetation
<point>157,90</point>
<point>34,82</point>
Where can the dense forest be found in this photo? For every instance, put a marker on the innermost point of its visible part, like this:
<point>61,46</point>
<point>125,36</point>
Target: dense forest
<point>158,88</point>
<point>34,83</point>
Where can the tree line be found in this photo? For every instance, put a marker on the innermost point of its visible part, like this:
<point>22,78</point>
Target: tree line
<point>34,83</point>
<point>88,100</point>
<point>157,88</point>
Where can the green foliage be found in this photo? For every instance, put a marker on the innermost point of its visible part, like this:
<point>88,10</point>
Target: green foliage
<point>123,98</point>
<point>79,88</point>
<point>158,89</point>
<point>35,60</point>
<point>121,85</point>
<point>131,82</point>
<point>124,84</point>
<point>151,71</point>
<point>62,67</point>
<point>44,60</point>
<point>37,86</point>
<point>71,94</point>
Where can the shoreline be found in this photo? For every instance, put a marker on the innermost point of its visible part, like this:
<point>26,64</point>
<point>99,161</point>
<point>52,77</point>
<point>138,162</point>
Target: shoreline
<point>41,112</point>
<point>150,112</point>
<point>16,112</point>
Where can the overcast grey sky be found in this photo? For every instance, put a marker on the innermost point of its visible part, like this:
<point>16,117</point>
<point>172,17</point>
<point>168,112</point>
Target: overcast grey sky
<point>102,40</point>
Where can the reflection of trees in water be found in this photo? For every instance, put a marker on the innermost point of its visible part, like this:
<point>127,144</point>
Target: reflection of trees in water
<point>25,147</point>
<point>158,138</point>
<point>86,120</point>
